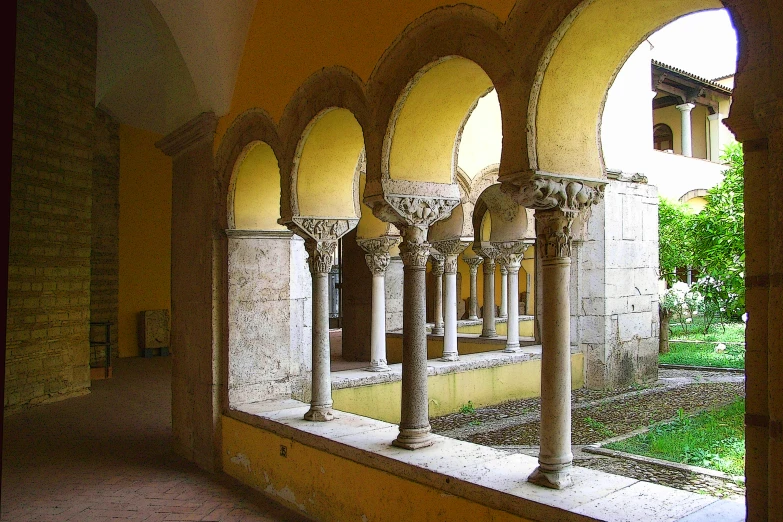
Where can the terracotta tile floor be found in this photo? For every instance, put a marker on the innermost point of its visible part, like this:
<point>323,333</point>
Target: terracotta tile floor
<point>107,456</point>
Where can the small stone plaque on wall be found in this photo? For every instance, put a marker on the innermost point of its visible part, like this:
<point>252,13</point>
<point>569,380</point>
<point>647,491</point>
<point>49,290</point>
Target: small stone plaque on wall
<point>154,332</point>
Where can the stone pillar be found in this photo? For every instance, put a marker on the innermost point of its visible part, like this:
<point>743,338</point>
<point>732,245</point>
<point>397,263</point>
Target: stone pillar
<point>503,291</point>
<point>320,259</point>
<point>196,286</point>
<point>488,328</point>
<point>414,417</point>
<point>557,202</point>
<point>437,271</point>
<point>473,263</point>
<point>510,258</point>
<point>685,136</point>
<point>714,145</point>
<point>450,250</point>
<point>555,457</point>
<point>378,261</point>
<point>321,235</point>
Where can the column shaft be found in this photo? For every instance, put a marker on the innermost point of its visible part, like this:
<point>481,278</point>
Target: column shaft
<point>503,292</point>
<point>488,328</point>
<point>414,418</point>
<point>450,352</point>
<point>437,272</point>
<point>512,330</point>
<point>378,326</point>
<point>321,401</point>
<point>685,136</point>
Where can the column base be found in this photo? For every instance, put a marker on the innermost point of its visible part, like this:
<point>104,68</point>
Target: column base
<point>449,357</point>
<point>551,479</point>
<point>503,316</point>
<point>319,414</point>
<point>473,318</point>
<point>378,368</point>
<point>511,348</point>
<point>414,438</point>
<point>438,331</point>
<point>489,335</point>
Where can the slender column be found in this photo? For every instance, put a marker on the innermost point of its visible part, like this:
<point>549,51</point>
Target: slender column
<point>714,126</point>
<point>488,317</point>
<point>555,457</point>
<point>473,263</point>
<point>557,201</point>
<point>450,250</point>
<point>321,259</point>
<point>503,291</point>
<point>510,258</point>
<point>414,418</point>
<point>685,136</point>
<point>377,258</point>
<point>437,272</point>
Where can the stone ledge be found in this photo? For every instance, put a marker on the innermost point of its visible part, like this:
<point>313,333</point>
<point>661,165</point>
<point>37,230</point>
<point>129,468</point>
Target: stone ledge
<point>483,475</point>
<point>474,361</point>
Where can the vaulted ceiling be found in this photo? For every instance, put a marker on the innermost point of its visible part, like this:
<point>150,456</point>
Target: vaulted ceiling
<point>161,62</point>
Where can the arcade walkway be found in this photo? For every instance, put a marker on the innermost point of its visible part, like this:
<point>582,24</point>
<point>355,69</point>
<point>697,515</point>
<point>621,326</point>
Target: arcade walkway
<point>106,456</point>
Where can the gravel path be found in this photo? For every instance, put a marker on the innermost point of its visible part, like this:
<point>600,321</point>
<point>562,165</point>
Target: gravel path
<point>600,415</point>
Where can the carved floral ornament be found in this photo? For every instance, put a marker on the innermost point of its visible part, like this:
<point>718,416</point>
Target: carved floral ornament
<point>438,263</point>
<point>378,245</point>
<point>450,249</point>
<point>473,263</point>
<point>510,254</point>
<point>320,255</point>
<point>421,211</point>
<point>325,228</point>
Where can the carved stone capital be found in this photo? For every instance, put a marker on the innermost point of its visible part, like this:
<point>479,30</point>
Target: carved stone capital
<point>450,248</point>
<point>414,249</point>
<point>487,252</point>
<point>553,233</point>
<point>503,269</point>
<point>547,192</point>
<point>322,229</point>
<point>377,249</point>
<point>378,263</point>
<point>320,255</point>
<point>473,263</point>
<point>418,211</point>
<point>438,263</point>
<point>510,254</point>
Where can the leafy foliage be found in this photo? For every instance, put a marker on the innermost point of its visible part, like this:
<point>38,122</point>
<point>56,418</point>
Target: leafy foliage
<point>675,238</point>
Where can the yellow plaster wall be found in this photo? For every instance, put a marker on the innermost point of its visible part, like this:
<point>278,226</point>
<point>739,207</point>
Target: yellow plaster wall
<point>579,74</point>
<point>318,483</point>
<point>369,225</point>
<point>300,38</point>
<point>145,232</point>
<point>525,328</point>
<point>257,190</point>
<point>448,393</point>
<point>327,167</point>
<point>697,204</point>
<point>434,110</point>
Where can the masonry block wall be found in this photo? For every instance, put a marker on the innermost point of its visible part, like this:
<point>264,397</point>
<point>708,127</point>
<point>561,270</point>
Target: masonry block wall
<point>614,297</point>
<point>47,350</point>
<point>104,261</point>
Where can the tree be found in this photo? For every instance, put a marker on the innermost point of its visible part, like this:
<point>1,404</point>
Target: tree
<point>719,243</point>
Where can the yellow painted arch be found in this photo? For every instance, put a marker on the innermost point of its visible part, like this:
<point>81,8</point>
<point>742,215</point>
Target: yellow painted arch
<point>256,195</point>
<point>423,135</point>
<point>568,109</point>
<point>326,170</point>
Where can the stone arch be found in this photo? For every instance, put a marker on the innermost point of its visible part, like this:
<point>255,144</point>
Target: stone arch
<point>323,128</point>
<point>575,72</point>
<point>253,128</point>
<point>456,41</point>
<point>497,212</point>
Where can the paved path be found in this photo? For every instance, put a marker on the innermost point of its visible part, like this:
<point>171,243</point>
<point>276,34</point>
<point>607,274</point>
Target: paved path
<point>106,456</point>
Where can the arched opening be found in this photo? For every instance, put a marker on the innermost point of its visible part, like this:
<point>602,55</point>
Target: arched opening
<point>663,138</point>
<point>254,201</point>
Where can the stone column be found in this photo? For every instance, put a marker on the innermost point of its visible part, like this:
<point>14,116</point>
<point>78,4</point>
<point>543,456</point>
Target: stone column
<point>488,317</point>
<point>437,271</point>
<point>321,258</point>
<point>450,250</point>
<point>557,202</point>
<point>413,215</point>
<point>377,258</point>
<point>510,257</point>
<point>685,136</point>
<point>714,127</point>
<point>503,291</point>
<point>473,263</point>
<point>321,235</point>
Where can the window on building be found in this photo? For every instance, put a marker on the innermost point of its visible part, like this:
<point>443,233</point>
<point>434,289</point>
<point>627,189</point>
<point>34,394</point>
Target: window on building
<point>662,137</point>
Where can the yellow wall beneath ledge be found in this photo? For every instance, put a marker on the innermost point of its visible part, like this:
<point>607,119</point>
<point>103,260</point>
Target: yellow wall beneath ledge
<point>447,393</point>
<point>316,483</point>
<point>525,328</point>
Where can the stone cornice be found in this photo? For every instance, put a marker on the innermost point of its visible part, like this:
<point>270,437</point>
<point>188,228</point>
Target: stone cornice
<point>201,128</point>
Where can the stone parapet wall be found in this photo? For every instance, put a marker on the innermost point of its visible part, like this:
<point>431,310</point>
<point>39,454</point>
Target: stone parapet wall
<point>614,298</point>
<point>51,182</point>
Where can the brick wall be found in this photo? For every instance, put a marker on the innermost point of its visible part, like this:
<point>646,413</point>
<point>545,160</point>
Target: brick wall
<point>104,262</point>
<point>47,351</point>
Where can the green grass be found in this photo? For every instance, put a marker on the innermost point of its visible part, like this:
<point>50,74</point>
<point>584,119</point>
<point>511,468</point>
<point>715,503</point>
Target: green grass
<point>713,439</point>
<point>703,353</point>
<point>692,354</point>
<point>467,409</point>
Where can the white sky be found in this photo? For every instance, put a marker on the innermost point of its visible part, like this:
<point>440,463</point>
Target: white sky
<point>703,43</point>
